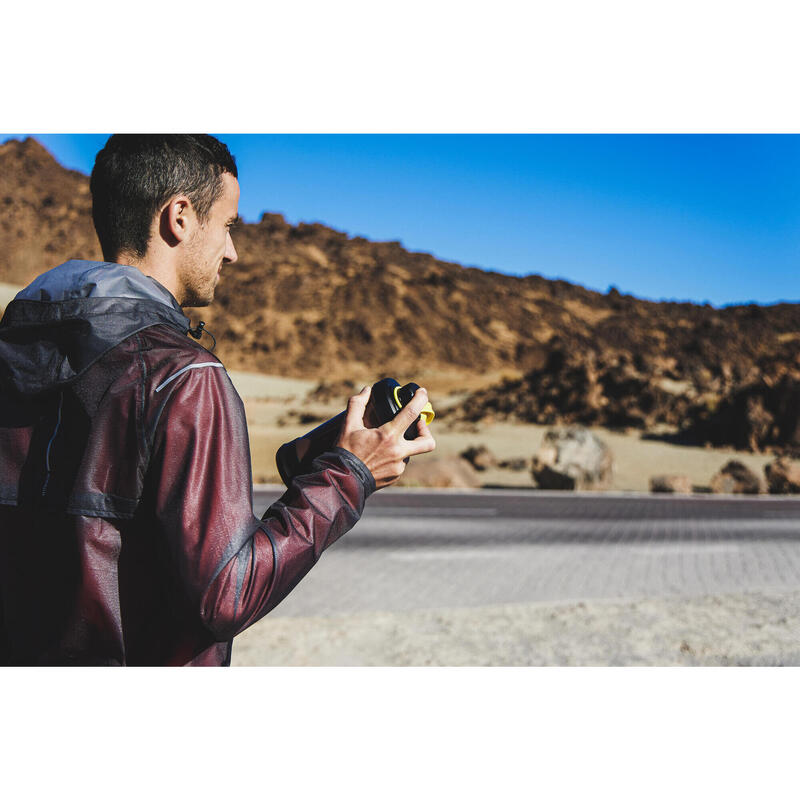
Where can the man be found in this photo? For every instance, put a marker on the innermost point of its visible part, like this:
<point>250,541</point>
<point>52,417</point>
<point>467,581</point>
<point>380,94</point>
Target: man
<point>127,534</point>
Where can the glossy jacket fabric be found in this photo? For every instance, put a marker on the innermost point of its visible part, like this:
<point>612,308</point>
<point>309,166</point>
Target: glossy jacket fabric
<point>127,533</point>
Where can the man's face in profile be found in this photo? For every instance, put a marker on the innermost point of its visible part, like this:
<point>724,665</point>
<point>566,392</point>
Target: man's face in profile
<point>210,247</point>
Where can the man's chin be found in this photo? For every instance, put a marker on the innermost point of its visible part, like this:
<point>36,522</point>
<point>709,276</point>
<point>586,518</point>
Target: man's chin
<point>198,302</point>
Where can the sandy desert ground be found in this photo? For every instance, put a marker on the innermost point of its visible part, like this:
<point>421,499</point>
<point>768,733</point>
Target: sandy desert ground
<point>7,292</point>
<point>743,629</point>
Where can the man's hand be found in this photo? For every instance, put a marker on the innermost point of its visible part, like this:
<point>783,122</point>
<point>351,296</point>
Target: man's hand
<point>384,450</point>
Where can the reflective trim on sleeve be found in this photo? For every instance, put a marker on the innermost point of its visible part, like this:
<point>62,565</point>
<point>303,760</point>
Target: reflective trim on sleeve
<point>191,366</point>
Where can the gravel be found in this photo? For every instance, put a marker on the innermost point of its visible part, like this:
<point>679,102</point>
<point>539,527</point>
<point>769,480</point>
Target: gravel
<point>744,629</point>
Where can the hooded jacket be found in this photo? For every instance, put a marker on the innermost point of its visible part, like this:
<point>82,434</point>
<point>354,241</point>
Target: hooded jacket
<point>127,532</point>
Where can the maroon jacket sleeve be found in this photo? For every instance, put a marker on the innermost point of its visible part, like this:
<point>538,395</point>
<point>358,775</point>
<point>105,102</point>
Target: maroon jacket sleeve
<point>233,567</point>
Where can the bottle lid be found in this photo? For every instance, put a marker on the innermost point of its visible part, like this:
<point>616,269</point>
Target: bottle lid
<point>403,395</point>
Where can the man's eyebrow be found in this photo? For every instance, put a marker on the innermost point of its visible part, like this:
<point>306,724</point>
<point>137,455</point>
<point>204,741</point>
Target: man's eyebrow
<point>234,220</point>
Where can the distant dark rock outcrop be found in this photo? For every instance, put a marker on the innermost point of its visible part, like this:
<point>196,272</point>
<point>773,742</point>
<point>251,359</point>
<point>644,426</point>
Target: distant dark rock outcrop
<point>762,414</point>
<point>783,476</point>
<point>751,405</point>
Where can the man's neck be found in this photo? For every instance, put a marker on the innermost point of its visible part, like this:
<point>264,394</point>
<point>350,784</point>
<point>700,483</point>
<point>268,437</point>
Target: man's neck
<point>154,267</point>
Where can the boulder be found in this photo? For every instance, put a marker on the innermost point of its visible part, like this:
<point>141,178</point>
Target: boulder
<point>736,478</point>
<point>671,484</point>
<point>572,458</point>
<point>514,464</point>
<point>783,476</point>
<point>446,472</point>
<point>480,457</point>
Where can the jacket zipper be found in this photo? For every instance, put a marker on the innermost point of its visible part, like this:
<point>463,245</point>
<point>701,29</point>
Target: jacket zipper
<point>50,444</point>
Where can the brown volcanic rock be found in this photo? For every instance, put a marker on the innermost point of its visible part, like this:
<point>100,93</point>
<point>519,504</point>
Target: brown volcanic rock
<point>45,212</point>
<point>736,478</point>
<point>308,301</point>
<point>753,405</point>
<point>783,476</point>
<point>480,457</point>
<point>762,414</point>
<point>671,484</point>
<point>572,458</point>
<point>611,389</point>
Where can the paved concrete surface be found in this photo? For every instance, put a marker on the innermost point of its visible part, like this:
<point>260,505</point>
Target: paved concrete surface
<point>559,578</point>
<point>433,550</point>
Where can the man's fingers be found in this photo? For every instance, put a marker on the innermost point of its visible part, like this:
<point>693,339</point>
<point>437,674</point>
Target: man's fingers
<point>424,443</point>
<point>354,419</point>
<point>408,413</point>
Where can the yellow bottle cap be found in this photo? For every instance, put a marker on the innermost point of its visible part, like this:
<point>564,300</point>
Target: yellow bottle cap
<point>427,412</point>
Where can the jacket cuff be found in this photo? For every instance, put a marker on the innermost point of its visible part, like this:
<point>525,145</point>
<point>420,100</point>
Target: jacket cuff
<point>357,466</point>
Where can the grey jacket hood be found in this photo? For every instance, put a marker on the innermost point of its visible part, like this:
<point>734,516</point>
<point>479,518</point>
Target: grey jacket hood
<point>60,324</point>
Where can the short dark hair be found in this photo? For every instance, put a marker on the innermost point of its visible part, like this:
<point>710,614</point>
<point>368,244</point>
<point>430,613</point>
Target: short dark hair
<point>135,174</point>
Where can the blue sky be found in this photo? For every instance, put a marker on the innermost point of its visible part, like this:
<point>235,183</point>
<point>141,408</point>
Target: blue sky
<point>692,217</point>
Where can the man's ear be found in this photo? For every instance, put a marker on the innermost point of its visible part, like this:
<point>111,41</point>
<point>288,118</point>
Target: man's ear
<point>176,220</point>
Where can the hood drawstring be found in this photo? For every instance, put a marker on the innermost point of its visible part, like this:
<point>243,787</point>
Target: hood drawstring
<point>199,330</point>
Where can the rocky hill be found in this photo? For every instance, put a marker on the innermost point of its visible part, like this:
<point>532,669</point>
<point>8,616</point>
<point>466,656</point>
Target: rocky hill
<point>310,301</point>
<point>45,213</point>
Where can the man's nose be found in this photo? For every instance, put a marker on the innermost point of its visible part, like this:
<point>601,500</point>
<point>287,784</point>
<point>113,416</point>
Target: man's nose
<point>230,251</point>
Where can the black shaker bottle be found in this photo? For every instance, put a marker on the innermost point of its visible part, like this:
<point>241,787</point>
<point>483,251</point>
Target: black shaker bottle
<point>387,398</point>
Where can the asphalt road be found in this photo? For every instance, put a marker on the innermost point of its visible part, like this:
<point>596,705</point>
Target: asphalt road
<point>426,550</point>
